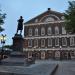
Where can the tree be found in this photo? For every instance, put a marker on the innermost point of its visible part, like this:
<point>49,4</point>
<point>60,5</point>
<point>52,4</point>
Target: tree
<point>2,17</point>
<point>70,17</point>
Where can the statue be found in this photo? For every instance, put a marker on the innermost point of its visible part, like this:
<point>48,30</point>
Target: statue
<point>20,25</point>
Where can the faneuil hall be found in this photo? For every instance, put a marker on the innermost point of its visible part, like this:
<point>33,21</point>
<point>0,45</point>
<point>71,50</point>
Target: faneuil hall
<point>46,38</point>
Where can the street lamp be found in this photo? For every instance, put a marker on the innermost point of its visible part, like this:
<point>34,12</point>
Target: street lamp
<point>2,42</point>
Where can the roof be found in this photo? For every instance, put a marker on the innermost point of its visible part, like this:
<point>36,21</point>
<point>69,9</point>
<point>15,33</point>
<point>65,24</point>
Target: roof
<point>40,16</point>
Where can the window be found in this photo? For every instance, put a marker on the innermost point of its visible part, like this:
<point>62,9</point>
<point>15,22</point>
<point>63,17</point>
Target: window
<point>29,43</point>
<point>49,31</point>
<point>63,30</point>
<point>64,41</point>
<point>49,19</point>
<point>56,30</point>
<point>36,43</point>
<point>42,42</point>
<point>42,31</point>
<point>36,32</point>
<point>30,32</point>
<point>72,41</point>
<point>49,42</point>
<point>56,41</point>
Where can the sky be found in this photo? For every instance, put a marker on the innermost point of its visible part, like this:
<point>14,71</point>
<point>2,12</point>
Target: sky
<point>28,9</point>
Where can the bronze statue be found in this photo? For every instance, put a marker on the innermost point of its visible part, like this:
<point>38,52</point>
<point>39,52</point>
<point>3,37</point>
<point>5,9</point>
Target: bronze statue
<point>20,25</point>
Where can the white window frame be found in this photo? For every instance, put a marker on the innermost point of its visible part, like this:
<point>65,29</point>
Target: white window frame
<point>36,44</point>
<point>49,30</point>
<point>64,38</point>
<point>72,41</point>
<point>42,31</point>
<point>30,32</point>
<point>30,41</point>
<point>63,30</point>
<point>55,41</point>
<point>43,43</point>
<point>36,32</point>
<point>56,30</point>
<point>49,41</point>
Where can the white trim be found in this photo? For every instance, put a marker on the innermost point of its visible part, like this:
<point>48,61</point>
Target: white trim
<point>30,31</point>
<point>42,31</point>
<point>45,49</point>
<point>36,31</point>
<point>72,41</point>
<point>63,30</point>
<point>43,43</point>
<point>52,36</point>
<point>65,41</point>
<point>51,42</point>
<point>32,24</point>
<point>56,30</point>
<point>57,41</point>
<point>36,42</point>
<point>30,42</point>
<point>49,16</point>
<point>49,30</point>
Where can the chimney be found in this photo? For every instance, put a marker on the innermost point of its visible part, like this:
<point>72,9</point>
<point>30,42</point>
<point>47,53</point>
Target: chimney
<point>49,9</point>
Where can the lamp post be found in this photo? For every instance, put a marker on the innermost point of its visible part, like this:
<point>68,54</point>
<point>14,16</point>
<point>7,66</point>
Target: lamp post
<point>2,42</point>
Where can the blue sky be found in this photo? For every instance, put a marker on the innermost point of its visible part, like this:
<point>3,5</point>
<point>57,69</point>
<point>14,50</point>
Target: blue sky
<point>28,9</point>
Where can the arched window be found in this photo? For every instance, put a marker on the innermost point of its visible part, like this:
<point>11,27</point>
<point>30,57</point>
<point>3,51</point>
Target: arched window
<point>64,41</point>
<point>50,42</point>
<point>42,42</point>
<point>42,31</point>
<point>49,19</point>
<point>63,30</point>
<point>72,42</point>
<point>36,31</point>
<point>30,32</point>
<point>29,43</point>
<point>36,43</point>
<point>49,31</point>
<point>56,30</point>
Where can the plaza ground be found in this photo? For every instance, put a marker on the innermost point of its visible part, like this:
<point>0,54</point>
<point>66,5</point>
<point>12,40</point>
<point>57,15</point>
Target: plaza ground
<point>41,67</point>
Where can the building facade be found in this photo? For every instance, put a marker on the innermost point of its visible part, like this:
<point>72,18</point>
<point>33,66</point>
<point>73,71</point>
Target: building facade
<point>45,37</point>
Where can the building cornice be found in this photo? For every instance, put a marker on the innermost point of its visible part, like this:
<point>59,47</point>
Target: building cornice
<point>52,36</point>
<point>46,49</point>
<point>32,24</point>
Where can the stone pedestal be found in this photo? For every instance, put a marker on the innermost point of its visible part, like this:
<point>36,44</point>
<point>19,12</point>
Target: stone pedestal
<point>18,42</point>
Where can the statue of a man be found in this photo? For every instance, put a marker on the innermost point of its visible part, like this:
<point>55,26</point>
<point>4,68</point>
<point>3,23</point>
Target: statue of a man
<point>20,25</point>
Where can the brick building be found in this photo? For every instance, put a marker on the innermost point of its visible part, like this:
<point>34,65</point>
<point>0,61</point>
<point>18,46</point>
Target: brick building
<point>46,37</point>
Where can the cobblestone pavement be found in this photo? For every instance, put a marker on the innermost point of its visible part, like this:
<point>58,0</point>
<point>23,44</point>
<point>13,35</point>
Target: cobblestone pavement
<point>66,67</point>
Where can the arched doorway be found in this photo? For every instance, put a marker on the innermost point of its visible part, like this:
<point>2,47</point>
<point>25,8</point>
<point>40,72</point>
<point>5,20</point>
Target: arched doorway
<point>57,54</point>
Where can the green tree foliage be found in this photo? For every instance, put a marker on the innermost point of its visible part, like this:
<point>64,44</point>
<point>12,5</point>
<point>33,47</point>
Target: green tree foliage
<point>70,17</point>
<point>2,17</point>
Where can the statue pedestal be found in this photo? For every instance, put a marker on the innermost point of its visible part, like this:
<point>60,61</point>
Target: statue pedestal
<point>18,42</point>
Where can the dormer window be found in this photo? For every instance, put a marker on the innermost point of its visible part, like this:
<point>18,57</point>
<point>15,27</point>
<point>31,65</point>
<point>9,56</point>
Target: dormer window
<point>42,31</point>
